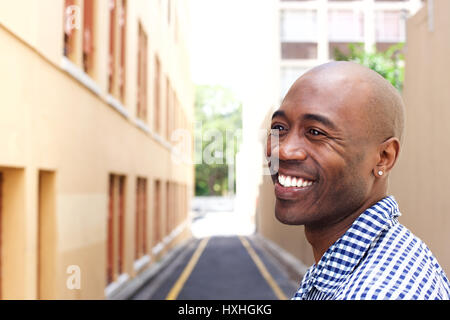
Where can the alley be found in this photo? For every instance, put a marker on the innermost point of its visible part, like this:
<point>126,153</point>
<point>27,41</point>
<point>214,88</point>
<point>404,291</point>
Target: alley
<point>220,267</point>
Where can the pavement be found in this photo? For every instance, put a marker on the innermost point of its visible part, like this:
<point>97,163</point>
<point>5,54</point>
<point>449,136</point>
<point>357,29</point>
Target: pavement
<point>224,260</point>
<point>220,267</point>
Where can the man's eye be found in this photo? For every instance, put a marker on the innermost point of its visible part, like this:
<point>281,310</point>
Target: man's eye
<point>315,132</point>
<point>276,129</point>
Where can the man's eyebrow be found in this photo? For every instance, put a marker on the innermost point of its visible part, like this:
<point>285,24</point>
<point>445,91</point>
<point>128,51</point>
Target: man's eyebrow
<point>279,113</point>
<point>319,118</point>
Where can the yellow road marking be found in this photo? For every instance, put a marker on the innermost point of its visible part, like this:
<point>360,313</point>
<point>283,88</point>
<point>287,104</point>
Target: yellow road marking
<point>276,289</point>
<point>173,293</point>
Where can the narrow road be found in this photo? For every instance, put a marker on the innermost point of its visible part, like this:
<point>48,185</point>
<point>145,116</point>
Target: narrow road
<point>220,268</point>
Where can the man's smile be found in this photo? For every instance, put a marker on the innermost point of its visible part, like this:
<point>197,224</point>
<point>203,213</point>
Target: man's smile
<point>289,187</point>
<point>289,181</point>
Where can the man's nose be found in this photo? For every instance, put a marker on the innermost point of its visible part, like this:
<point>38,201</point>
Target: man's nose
<point>291,148</point>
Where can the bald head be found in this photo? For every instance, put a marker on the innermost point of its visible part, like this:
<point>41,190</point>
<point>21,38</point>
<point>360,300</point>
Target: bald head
<point>339,127</point>
<point>344,81</point>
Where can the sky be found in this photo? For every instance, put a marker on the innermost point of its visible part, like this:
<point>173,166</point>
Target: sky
<point>218,38</point>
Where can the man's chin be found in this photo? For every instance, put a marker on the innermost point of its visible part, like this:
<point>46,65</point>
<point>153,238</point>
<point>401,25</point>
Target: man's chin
<point>288,218</point>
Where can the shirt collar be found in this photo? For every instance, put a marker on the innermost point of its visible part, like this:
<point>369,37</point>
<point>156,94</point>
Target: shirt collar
<point>345,254</point>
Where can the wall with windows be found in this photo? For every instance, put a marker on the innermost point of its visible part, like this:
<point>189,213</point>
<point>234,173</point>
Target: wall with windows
<point>86,145</point>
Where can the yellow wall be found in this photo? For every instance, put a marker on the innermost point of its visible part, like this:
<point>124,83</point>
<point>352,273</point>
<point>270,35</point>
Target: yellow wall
<point>51,121</point>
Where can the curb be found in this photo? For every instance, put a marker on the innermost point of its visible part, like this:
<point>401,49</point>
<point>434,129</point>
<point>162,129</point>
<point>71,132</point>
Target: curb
<point>133,286</point>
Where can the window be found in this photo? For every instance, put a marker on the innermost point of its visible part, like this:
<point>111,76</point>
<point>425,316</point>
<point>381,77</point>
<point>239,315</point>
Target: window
<point>342,47</point>
<point>142,75</point>
<point>46,235</point>
<point>177,114</point>
<point>174,111</point>
<point>169,103</point>
<point>112,42</point>
<point>115,232</point>
<point>12,229</point>
<point>345,26</point>
<point>390,26</point>
<point>298,26</point>
<point>122,27</point>
<point>88,35</point>
<point>298,50</point>
<point>141,218</point>
<point>117,45</point>
<point>170,202</point>
<point>71,21</point>
<point>157,95</point>
<point>178,205</point>
<point>157,214</point>
<point>299,34</point>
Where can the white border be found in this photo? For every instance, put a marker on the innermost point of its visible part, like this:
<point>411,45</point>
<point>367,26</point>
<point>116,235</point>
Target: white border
<point>80,75</point>
<point>142,125</point>
<point>116,104</point>
<point>141,262</point>
<point>168,239</point>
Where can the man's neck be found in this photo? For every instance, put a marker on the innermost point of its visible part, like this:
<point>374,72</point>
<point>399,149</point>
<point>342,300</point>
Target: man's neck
<point>321,238</point>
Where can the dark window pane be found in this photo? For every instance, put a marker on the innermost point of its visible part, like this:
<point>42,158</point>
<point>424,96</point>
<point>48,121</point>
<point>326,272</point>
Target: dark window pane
<point>299,50</point>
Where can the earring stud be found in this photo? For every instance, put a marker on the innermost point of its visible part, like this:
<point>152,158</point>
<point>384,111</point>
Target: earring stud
<point>380,173</point>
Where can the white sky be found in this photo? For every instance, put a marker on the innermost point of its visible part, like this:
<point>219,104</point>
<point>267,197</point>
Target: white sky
<point>219,38</point>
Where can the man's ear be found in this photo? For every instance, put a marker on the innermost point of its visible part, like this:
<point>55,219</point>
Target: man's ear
<point>388,154</point>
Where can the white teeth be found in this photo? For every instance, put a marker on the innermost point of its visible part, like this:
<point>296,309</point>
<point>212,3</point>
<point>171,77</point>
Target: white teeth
<point>287,181</point>
<point>294,182</point>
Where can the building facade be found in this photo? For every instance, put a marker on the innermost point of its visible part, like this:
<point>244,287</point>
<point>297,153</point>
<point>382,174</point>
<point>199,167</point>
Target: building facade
<point>311,30</point>
<point>92,191</point>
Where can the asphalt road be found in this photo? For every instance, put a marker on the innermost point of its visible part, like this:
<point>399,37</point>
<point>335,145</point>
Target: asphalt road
<point>220,268</point>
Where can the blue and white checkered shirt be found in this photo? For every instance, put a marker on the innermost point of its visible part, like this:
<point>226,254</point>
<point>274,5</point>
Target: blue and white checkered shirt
<point>377,258</point>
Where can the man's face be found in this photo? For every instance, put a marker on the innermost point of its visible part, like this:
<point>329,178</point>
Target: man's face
<point>323,145</point>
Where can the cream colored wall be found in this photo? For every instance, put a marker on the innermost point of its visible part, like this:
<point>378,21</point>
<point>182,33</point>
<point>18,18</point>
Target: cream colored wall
<point>421,179</point>
<point>50,121</point>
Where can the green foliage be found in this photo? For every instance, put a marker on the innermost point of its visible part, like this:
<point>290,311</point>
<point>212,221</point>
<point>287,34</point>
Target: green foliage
<point>389,64</point>
<point>218,112</point>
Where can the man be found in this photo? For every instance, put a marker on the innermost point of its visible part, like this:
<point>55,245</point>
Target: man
<point>339,132</point>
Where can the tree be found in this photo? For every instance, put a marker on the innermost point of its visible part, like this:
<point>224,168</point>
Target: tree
<point>219,115</point>
<point>389,64</point>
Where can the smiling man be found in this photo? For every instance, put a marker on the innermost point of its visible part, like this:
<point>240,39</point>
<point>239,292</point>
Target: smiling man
<point>339,132</point>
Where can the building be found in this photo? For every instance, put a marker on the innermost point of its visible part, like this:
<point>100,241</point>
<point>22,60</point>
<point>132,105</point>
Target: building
<point>309,30</point>
<point>90,194</point>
